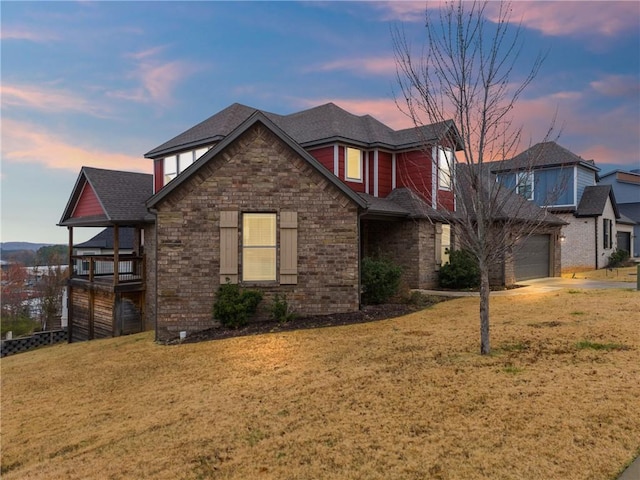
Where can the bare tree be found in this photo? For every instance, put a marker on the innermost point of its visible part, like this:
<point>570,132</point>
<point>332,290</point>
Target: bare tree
<point>468,72</point>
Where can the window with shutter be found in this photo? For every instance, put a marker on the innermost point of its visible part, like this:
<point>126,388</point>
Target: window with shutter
<point>259,247</point>
<point>228,246</point>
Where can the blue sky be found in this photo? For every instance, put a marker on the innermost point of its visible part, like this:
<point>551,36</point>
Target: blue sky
<point>102,83</point>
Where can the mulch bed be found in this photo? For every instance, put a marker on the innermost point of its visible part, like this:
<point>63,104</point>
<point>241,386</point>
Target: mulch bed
<point>368,313</point>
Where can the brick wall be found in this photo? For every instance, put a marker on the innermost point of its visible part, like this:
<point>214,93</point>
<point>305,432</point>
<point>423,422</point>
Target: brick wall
<point>257,173</point>
<point>408,243</point>
<point>578,247</point>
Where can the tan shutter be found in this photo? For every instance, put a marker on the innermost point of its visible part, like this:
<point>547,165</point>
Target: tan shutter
<point>288,248</point>
<point>228,246</point>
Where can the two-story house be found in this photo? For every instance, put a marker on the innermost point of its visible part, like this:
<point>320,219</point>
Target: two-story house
<point>288,204</point>
<point>566,184</point>
<point>626,186</point>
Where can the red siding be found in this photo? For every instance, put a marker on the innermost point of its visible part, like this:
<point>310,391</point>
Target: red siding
<point>414,172</point>
<point>324,155</point>
<point>158,175</point>
<point>88,204</point>
<point>370,171</point>
<point>445,200</point>
<point>384,174</point>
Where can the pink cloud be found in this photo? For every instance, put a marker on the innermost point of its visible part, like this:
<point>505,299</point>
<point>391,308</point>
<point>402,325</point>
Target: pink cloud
<point>157,80</point>
<point>23,33</point>
<point>551,18</point>
<point>378,66</point>
<point>573,18</point>
<point>47,99</point>
<point>618,86</point>
<point>27,143</point>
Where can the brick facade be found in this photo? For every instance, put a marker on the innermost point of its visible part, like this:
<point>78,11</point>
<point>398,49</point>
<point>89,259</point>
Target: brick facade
<point>258,172</point>
<point>412,244</point>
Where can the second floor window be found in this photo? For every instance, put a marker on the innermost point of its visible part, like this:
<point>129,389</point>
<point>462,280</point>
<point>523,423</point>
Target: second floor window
<point>353,164</point>
<point>445,166</point>
<point>176,164</point>
<point>524,185</point>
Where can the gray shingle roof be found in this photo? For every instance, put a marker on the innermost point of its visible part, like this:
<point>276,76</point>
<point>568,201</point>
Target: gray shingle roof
<point>544,154</point>
<point>122,196</point>
<point>316,126</point>
<point>104,239</point>
<point>594,199</point>
<point>630,210</point>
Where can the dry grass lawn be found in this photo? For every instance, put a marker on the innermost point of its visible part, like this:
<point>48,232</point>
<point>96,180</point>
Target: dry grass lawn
<point>405,398</point>
<point>625,274</point>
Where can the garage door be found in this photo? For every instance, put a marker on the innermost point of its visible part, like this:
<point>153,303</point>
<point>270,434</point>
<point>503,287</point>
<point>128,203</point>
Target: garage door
<point>532,258</point>
<point>624,241</point>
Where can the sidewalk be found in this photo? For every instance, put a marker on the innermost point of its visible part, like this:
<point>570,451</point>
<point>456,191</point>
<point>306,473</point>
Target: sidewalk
<point>539,285</point>
<point>632,472</point>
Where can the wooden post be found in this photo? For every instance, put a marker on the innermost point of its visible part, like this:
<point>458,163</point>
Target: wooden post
<point>69,289</point>
<point>116,255</point>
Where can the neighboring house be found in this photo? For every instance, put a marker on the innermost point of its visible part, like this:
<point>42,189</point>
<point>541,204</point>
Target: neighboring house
<point>101,246</point>
<point>288,204</point>
<point>626,186</point>
<point>565,184</point>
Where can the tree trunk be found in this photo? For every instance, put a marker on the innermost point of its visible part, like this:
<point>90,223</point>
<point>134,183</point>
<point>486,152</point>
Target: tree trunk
<point>485,290</point>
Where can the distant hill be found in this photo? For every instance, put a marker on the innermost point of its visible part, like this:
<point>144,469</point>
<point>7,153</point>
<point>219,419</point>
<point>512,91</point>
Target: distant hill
<point>11,246</point>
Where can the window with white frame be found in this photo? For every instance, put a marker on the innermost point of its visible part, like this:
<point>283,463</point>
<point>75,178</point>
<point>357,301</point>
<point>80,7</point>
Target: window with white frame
<point>353,167</point>
<point>524,184</point>
<point>445,167</point>
<point>259,247</point>
<point>176,164</point>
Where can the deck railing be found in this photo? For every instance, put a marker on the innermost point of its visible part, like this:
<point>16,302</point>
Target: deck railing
<point>102,268</point>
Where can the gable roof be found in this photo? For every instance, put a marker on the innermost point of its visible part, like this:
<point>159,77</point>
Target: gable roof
<point>121,195</point>
<point>631,211</point>
<point>594,199</point>
<point>256,117</point>
<point>104,239</point>
<point>316,126</point>
<point>545,154</point>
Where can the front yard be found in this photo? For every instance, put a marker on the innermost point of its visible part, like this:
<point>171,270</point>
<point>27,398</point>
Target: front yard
<point>405,398</point>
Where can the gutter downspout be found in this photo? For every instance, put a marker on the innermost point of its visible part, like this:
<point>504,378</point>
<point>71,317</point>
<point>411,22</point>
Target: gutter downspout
<point>595,222</point>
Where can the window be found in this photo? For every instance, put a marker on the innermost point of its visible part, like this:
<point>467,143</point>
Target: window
<point>353,164</point>
<point>259,247</point>
<point>261,244</point>
<point>176,164</point>
<point>524,185</point>
<point>445,164</point>
<point>170,168</point>
<point>607,233</point>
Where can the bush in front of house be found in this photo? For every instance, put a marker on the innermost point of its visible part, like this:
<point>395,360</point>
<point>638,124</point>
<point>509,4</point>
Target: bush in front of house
<point>281,311</point>
<point>618,258</point>
<point>380,280</point>
<point>234,307</point>
<point>461,272</point>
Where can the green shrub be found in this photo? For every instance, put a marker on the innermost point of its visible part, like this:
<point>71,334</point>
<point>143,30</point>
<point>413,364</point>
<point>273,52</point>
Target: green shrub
<point>280,310</point>
<point>461,272</point>
<point>618,258</point>
<point>234,307</point>
<point>380,280</point>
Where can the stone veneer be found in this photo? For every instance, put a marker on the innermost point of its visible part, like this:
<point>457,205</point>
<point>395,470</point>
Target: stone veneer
<point>258,172</point>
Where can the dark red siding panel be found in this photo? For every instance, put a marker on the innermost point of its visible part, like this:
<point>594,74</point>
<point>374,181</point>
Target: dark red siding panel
<point>445,200</point>
<point>324,155</point>
<point>88,204</point>
<point>370,171</point>
<point>385,175</point>
<point>414,172</point>
<point>158,175</point>
<point>341,154</point>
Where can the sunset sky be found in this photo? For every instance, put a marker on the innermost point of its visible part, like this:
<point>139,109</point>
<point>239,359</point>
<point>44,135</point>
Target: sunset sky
<point>102,83</point>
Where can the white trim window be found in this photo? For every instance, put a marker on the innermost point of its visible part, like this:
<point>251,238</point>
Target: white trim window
<point>445,167</point>
<point>353,164</point>
<point>259,247</point>
<point>174,165</point>
<point>524,184</point>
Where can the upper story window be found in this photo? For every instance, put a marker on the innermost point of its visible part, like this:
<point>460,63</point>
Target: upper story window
<point>176,164</point>
<point>524,184</point>
<point>445,167</point>
<point>353,164</point>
